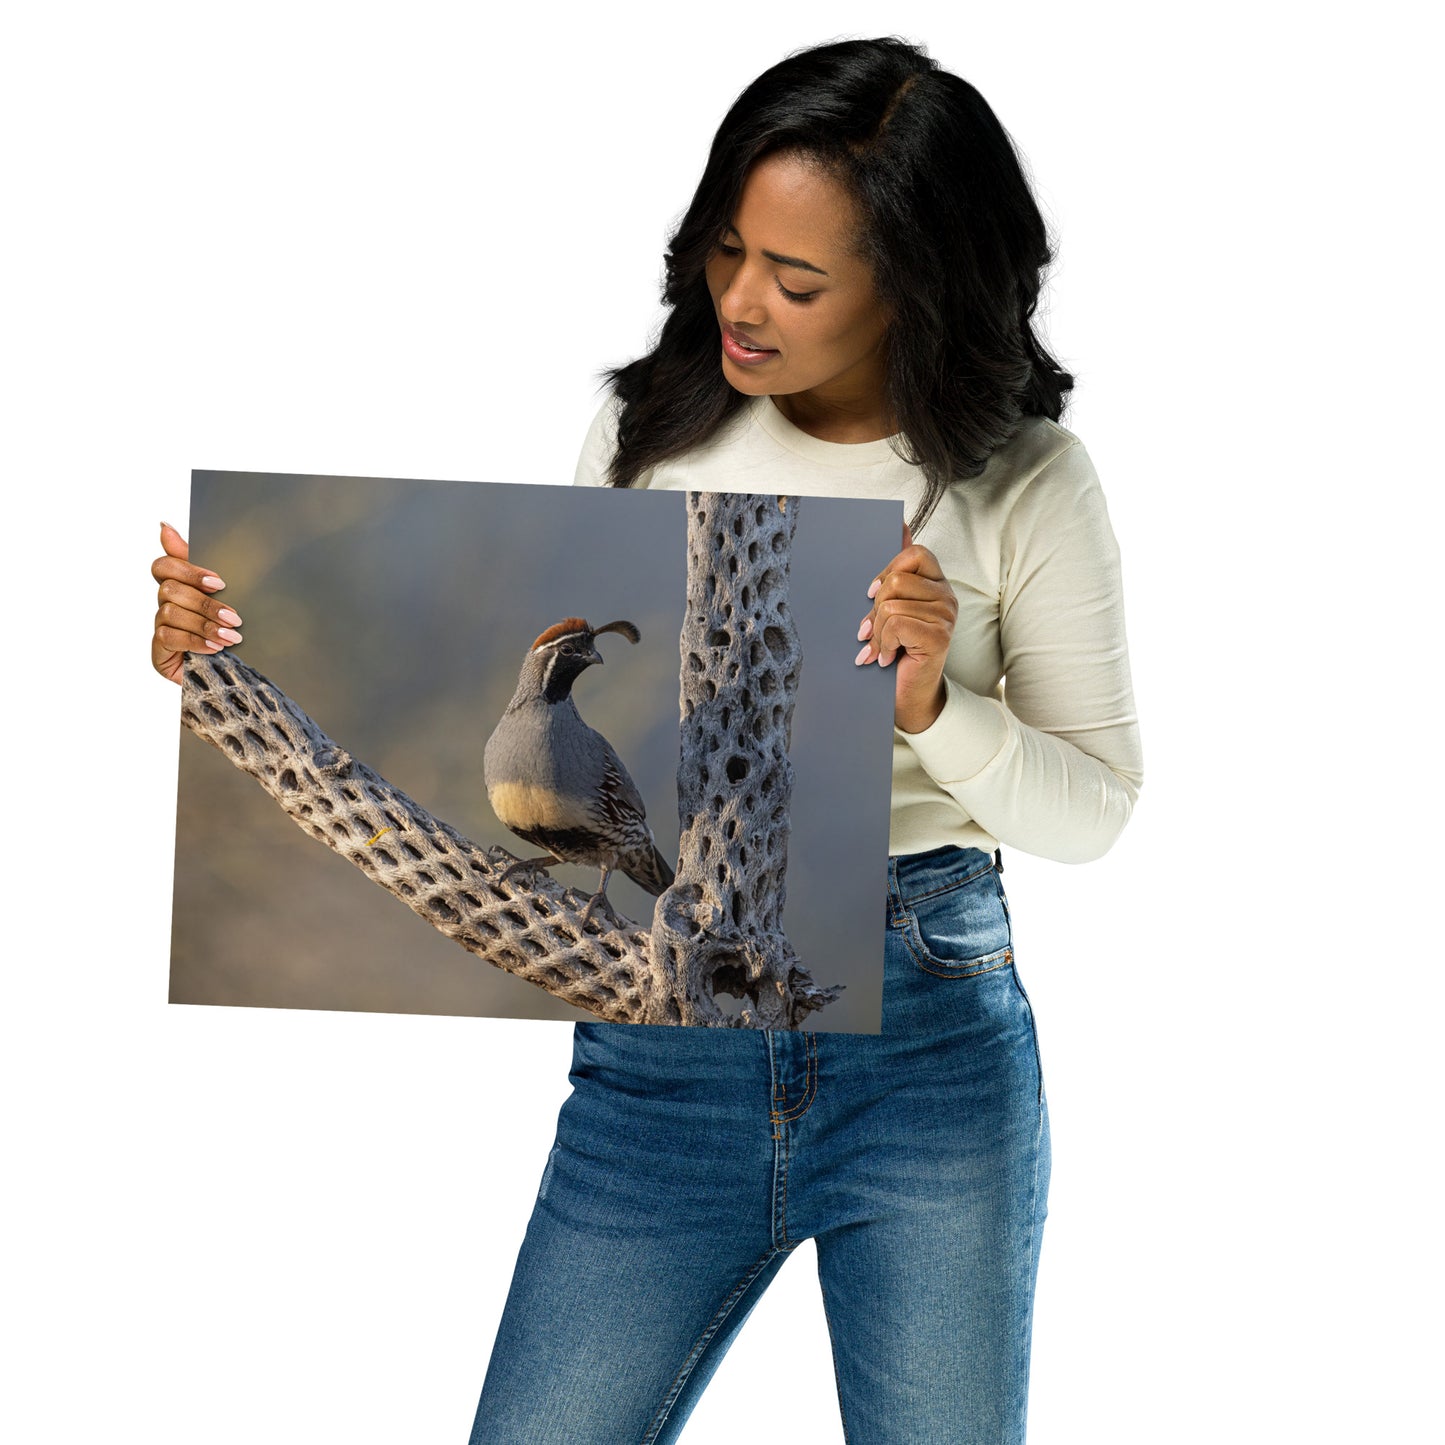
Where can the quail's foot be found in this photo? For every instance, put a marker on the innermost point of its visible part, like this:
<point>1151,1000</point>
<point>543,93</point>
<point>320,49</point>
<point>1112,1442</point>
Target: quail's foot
<point>592,902</point>
<point>531,865</point>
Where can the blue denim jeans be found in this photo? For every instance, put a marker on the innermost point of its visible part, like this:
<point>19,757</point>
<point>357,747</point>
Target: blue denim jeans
<point>689,1163</point>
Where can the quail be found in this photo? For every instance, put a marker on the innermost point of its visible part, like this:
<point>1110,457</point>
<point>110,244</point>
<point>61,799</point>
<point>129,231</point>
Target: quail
<point>556,782</point>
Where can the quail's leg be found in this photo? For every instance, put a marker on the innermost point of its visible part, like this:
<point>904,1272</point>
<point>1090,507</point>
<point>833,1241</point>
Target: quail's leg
<point>530,864</point>
<point>600,895</point>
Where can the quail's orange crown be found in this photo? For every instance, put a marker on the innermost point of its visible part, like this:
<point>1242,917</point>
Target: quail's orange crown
<point>567,627</point>
<point>577,627</point>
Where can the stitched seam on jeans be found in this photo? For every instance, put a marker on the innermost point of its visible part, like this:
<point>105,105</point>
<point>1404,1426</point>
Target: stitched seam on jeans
<point>703,1340</point>
<point>965,968</point>
<point>1025,1331</point>
<point>1034,1033</point>
<point>779,1095</point>
<point>780,1204</point>
<point>947,887</point>
<point>783,1137</point>
<point>778,1195</point>
<point>810,1084</point>
<point>833,1350</point>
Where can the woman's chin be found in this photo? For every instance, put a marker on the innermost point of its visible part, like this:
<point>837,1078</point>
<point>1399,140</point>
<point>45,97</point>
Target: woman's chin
<point>746,380</point>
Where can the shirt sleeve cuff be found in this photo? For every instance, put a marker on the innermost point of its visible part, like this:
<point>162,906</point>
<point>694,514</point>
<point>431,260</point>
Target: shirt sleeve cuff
<point>963,739</point>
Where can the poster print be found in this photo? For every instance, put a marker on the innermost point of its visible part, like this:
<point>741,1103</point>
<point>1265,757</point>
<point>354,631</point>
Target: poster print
<point>495,701</point>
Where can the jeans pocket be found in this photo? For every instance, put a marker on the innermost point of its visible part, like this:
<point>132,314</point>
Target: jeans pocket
<point>962,930</point>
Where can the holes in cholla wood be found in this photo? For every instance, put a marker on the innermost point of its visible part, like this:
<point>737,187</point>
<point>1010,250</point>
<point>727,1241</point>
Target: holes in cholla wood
<point>740,655</point>
<point>363,819</point>
<point>443,909</point>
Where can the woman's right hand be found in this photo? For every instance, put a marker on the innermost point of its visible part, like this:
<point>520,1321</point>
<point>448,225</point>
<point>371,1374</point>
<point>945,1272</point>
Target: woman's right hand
<point>189,618</point>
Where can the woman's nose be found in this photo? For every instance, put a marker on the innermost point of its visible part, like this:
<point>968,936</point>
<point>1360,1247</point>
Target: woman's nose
<point>742,300</point>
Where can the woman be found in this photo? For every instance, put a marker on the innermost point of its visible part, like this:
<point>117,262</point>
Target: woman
<point>850,300</point>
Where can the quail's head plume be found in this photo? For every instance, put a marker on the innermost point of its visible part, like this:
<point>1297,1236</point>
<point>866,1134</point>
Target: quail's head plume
<point>556,782</point>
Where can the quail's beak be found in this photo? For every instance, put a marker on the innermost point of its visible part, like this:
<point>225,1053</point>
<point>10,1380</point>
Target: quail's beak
<point>594,656</point>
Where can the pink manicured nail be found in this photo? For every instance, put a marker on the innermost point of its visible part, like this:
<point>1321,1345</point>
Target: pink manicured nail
<point>863,655</point>
<point>214,583</point>
<point>877,583</point>
<point>866,630</point>
<point>213,646</point>
<point>229,616</point>
<point>229,634</point>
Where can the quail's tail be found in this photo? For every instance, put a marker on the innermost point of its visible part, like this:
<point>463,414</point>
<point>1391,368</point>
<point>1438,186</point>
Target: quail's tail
<point>649,869</point>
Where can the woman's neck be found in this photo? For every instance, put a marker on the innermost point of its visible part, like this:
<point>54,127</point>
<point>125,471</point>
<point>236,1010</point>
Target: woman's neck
<point>836,420</point>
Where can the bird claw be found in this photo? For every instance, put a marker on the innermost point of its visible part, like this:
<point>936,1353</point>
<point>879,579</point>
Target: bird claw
<point>592,902</point>
<point>532,866</point>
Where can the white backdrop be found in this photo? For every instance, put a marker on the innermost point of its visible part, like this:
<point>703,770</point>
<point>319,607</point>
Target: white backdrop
<point>401,241</point>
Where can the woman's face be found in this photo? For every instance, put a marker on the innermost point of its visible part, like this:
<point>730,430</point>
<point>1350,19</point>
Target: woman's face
<point>796,304</point>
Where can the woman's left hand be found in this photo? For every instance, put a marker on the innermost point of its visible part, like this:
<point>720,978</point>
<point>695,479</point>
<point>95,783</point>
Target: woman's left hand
<point>914,610</point>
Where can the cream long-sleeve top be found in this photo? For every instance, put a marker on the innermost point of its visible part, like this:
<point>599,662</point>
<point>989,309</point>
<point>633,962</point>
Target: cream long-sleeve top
<point>1037,746</point>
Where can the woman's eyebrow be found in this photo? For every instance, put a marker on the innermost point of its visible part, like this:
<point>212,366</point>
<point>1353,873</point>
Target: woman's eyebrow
<point>795,261</point>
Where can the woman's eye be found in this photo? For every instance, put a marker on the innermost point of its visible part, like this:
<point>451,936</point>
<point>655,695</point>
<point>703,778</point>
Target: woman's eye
<point>796,295</point>
<point>723,249</point>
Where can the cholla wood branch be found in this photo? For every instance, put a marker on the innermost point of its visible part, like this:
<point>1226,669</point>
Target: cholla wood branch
<point>717,931</point>
<point>450,881</point>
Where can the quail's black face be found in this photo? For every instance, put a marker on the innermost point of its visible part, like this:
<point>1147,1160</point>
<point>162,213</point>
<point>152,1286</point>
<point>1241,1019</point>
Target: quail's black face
<point>563,661</point>
<point>561,653</point>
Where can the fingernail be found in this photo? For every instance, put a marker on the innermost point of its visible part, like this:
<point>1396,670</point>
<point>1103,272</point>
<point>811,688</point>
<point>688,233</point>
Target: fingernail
<point>229,616</point>
<point>863,655</point>
<point>214,583</point>
<point>877,583</point>
<point>866,630</point>
<point>229,634</point>
<point>213,646</point>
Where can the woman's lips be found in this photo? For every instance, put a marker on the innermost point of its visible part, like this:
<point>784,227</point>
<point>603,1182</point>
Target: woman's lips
<point>738,346</point>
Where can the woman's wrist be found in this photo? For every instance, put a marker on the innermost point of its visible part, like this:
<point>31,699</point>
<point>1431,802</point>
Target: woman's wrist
<point>917,718</point>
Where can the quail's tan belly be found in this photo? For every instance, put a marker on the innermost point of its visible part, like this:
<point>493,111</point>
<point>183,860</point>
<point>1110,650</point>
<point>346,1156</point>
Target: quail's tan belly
<point>532,806</point>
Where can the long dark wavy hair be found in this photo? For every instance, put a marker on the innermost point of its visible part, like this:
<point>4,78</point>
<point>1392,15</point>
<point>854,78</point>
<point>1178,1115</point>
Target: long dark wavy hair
<point>949,226</point>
